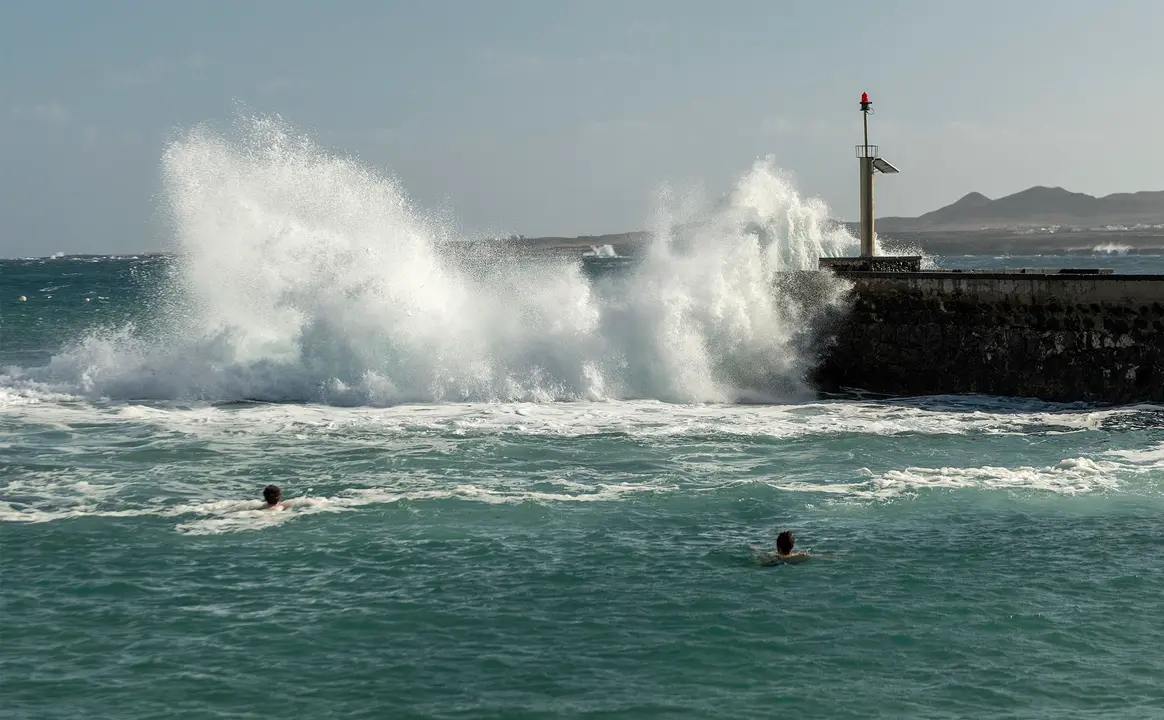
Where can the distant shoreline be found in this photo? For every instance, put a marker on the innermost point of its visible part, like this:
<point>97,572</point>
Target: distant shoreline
<point>1039,207</point>
<point>996,241</point>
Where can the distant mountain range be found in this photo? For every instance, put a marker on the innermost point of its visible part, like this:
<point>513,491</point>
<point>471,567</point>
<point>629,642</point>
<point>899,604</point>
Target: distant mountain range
<point>1009,222</point>
<point>1035,207</point>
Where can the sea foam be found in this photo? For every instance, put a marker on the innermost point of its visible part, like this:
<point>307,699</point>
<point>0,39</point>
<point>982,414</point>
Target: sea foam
<point>306,276</point>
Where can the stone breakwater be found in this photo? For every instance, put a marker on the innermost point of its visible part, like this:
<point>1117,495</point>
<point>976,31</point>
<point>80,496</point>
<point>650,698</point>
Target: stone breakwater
<point>1052,335</point>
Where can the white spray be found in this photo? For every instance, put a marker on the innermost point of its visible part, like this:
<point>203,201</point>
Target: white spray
<point>303,276</point>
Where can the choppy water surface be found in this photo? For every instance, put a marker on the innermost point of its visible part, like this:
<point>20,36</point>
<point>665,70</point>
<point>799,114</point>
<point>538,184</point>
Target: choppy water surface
<point>516,491</point>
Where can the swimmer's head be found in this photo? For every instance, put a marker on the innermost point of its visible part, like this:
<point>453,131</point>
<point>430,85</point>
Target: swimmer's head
<point>784,542</point>
<point>271,494</point>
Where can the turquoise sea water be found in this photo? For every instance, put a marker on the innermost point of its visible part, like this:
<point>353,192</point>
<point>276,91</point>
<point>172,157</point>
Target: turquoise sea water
<point>986,557</point>
<point>519,491</point>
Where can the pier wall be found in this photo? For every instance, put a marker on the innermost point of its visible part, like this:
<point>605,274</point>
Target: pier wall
<point>1039,334</point>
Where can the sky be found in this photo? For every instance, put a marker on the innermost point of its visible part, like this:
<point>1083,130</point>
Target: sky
<point>543,117</point>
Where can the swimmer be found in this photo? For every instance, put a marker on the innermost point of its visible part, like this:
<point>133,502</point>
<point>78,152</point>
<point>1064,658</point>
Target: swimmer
<point>273,495</point>
<point>784,543</point>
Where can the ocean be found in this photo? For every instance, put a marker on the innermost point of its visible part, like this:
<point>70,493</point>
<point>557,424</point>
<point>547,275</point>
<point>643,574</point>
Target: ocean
<point>519,490</point>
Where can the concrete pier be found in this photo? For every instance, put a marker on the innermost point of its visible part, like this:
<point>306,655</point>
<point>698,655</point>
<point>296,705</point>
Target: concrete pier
<point>1064,335</point>
<point>1055,334</point>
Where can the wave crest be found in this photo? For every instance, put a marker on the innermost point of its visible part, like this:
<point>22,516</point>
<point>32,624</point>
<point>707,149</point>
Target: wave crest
<point>306,276</point>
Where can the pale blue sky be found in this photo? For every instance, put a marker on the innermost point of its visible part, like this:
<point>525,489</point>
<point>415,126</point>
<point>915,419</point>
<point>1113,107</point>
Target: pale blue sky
<point>552,117</point>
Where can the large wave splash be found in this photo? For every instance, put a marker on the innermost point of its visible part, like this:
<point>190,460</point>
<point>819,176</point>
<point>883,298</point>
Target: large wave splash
<point>303,276</point>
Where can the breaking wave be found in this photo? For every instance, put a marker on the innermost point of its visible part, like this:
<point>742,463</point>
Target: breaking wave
<point>306,276</point>
<point>1111,248</point>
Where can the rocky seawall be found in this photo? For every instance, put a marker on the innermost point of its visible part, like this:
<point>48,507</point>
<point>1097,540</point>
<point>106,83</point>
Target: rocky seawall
<point>1048,334</point>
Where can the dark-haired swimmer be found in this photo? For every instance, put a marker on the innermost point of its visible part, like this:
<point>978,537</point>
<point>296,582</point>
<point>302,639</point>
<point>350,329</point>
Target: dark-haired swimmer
<point>273,495</point>
<point>784,544</point>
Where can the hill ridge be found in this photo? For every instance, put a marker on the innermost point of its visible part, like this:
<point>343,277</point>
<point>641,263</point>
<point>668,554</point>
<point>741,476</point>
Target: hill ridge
<point>1036,206</point>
